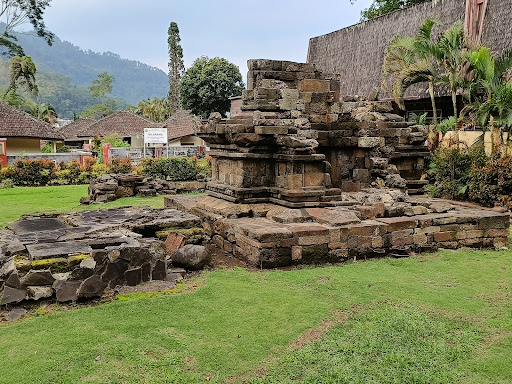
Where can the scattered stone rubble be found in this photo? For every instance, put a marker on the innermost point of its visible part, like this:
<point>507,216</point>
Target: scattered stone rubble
<point>111,187</point>
<point>79,255</point>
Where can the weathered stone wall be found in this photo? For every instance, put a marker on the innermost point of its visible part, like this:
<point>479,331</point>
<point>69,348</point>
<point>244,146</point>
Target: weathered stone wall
<point>372,224</point>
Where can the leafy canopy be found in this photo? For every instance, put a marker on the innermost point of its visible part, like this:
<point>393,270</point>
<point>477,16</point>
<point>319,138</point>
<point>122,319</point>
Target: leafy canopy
<point>15,13</point>
<point>383,7</point>
<point>208,84</point>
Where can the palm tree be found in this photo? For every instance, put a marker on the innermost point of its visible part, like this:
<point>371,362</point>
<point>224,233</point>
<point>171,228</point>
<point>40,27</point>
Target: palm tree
<point>154,109</point>
<point>408,61</point>
<point>491,92</point>
<point>44,112</point>
<point>451,54</point>
<point>23,72</point>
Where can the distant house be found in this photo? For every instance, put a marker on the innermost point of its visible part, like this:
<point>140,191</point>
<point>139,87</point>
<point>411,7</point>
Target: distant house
<point>181,130</point>
<point>70,131</point>
<point>24,132</point>
<point>127,125</point>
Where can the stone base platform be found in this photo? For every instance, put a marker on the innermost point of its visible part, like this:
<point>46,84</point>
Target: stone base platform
<point>371,223</point>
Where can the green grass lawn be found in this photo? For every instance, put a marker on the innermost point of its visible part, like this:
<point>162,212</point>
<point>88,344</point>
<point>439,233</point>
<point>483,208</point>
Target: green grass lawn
<point>440,318</point>
<point>34,200</point>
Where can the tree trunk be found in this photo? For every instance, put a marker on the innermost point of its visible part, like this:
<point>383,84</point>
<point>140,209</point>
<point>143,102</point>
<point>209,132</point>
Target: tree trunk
<point>433,100</point>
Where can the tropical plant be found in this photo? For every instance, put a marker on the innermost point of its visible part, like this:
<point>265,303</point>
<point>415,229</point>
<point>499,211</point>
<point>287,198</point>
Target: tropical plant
<point>44,112</point>
<point>418,119</point>
<point>23,71</point>
<point>408,61</point>
<point>176,66</point>
<point>491,92</point>
<point>207,86</point>
<point>154,109</point>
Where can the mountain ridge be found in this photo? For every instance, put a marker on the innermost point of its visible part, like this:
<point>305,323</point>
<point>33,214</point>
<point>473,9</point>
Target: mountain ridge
<point>133,80</point>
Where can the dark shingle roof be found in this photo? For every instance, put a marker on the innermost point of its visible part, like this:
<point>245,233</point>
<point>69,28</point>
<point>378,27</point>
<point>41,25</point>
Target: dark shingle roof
<point>181,124</point>
<point>124,123</point>
<point>16,123</point>
<point>71,131</point>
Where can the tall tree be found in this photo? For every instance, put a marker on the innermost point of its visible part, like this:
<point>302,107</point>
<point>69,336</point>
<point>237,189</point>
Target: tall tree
<point>102,85</point>
<point>208,84</point>
<point>176,66</point>
<point>17,12</point>
<point>44,112</point>
<point>23,71</point>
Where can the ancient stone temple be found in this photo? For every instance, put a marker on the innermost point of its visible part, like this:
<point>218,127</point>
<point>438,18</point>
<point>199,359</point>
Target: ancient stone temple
<point>296,144</point>
<point>303,176</point>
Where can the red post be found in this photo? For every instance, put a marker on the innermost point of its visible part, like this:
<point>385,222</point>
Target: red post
<point>3,152</point>
<point>106,147</point>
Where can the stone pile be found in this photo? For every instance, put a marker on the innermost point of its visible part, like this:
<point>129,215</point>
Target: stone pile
<point>296,144</point>
<point>110,187</point>
<point>372,223</point>
<point>79,255</point>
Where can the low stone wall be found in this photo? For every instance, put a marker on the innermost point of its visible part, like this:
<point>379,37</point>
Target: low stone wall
<point>367,224</point>
<point>79,255</point>
<point>112,187</point>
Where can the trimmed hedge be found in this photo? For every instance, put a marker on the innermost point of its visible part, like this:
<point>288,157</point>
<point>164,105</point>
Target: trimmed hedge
<point>172,168</point>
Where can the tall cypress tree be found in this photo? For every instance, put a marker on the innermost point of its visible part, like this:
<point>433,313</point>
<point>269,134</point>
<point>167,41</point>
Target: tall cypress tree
<point>176,66</point>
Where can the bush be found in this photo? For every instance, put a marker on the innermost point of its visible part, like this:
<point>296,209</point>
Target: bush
<point>32,172</point>
<point>450,169</point>
<point>173,168</point>
<point>491,184</point>
<point>120,165</point>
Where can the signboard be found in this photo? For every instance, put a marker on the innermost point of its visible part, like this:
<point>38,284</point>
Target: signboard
<point>155,135</point>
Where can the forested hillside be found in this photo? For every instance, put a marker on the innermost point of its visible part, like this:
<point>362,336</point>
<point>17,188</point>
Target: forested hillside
<point>65,71</point>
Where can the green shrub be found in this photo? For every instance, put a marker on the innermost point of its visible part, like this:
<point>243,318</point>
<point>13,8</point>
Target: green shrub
<point>32,172</point>
<point>47,148</point>
<point>173,168</point>
<point>450,169</point>
<point>63,149</point>
<point>491,184</point>
<point>117,165</point>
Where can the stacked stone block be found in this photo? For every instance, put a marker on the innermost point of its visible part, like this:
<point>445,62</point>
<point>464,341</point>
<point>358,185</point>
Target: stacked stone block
<point>296,144</point>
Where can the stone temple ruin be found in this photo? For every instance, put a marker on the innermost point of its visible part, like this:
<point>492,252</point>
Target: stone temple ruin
<point>299,177</point>
<point>303,177</point>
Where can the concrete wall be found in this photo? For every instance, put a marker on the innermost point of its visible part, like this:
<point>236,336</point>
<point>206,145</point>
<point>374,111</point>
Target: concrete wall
<point>57,157</point>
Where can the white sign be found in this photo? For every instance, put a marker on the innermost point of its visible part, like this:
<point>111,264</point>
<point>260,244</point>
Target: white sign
<point>155,135</point>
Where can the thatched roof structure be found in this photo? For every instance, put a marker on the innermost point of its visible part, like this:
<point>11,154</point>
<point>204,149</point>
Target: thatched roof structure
<point>71,131</point>
<point>181,124</point>
<point>357,52</point>
<point>16,123</point>
<point>124,123</point>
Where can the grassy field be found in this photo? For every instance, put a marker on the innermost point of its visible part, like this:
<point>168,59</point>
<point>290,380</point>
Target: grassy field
<point>440,318</point>
<point>34,200</point>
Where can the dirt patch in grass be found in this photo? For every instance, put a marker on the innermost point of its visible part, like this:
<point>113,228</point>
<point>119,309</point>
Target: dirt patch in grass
<point>314,334</point>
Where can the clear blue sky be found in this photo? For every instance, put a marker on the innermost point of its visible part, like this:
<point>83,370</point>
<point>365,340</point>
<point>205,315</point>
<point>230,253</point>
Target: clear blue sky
<point>234,29</point>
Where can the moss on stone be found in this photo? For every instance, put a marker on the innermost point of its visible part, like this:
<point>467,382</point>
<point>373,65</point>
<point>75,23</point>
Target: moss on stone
<point>185,232</point>
<point>77,259</point>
